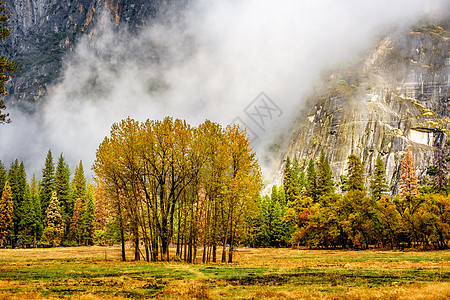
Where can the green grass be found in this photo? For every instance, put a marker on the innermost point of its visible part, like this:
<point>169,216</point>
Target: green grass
<point>258,273</point>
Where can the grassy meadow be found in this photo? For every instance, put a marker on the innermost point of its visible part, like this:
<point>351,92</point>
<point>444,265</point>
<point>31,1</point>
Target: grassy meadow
<point>97,272</point>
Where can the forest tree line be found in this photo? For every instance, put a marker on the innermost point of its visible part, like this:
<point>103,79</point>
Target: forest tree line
<point>54,211</point>
<point>162,184</point>
<point>310,209</point>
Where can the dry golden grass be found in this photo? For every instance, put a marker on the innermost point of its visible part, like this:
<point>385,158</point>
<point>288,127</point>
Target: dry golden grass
<point>97,273</point>
<point>182,289</point>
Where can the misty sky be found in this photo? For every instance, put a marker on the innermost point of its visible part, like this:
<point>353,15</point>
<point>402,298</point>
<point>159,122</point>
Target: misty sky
<point>211,65</point>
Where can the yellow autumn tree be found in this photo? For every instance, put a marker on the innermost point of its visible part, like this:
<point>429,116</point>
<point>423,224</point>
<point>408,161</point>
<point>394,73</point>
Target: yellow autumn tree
<point>243,185</point>
<point>6,210</point>
<point>172,183</point>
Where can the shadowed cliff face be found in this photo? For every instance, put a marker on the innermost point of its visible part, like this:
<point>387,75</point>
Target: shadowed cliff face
<point>398,96</point>
<point>44,31</point>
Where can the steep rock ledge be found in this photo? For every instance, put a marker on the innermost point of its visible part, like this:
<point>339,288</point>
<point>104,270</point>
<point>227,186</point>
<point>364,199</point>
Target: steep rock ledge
<point>44,31</point>
<point>399,96</point>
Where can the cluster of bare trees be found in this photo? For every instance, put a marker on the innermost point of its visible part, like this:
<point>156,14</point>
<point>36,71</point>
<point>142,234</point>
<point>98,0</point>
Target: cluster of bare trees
<point>172,184</point>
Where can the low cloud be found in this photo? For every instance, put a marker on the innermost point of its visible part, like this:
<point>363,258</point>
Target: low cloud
<point>210,64</point>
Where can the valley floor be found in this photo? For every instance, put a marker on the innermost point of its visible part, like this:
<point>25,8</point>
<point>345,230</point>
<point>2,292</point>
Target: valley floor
<point>96,272</point>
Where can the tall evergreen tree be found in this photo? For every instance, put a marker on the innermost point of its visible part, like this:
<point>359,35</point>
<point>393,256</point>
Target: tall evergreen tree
<point>298,175</point>
<point>356,209</point>
<point>441,161</point>
<point>6,211</point>
<point>274,195</point>
<point>37,225</point>
<point>62,188</point>
<point>3,177</point>
<point>295,169</point>
<point>281,195</point>
<point>301,180</point>
<point>52,233</point>
<point>28,218</point>
<point>88,216</point>
<point>13,177</point>
<point>311,180</point>
<point>54,211</point>
<point>47,183</point>
<point>355,171</point>
<point>287,174</point>
<point>79,222</point>
<point>75,229</point>
<point>324,176</point>
<point>34,186</point>
<point>408,179</point>
<point>79,183</point>
<point>290,181</point>
<point>378,184</point>
<point>17,178</point>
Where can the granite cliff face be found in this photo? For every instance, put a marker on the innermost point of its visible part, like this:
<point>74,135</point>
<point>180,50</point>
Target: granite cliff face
<point>44,31</point>
<point>397,96</point>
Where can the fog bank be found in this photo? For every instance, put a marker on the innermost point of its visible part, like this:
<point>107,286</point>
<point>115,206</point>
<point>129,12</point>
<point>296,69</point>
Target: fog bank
<point>210,64</point>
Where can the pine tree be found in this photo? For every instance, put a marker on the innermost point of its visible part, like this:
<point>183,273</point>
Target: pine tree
<point>47,183</point>
<point>287,175</point>
<point>281,195</point>
<point>34,190</point>
<point>295,169</point>
<point>75,222</point>
<point>290,181</point>
<point>408,179</point>
<point>34,187</point>
<point>54,211</point>
<point>378,184</point>
<point>79,183</point>
<point>274,194</point>
<point>79,195</point>
<point>356,209</point>
<point>12,177</point>
<point>88,217</point>
<point>17,178</point>
<point>441,161</point>
<point>6,211</point>
<point>298,175</point>
<point>301,181</point>
<point>37,226</point>
<point>62,188</point>
<point>3,177</point>
<point>324,176</point>
<point>52,233</point>
<point>355,171</point>
<point>311,180</point>
<point>27,220</point>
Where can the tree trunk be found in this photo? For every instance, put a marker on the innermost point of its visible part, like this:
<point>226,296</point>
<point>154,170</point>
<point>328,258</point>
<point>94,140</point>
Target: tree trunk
<point>204,253</point>
<point>137,257</point>
<point>194,260</point>
<point>122,235</point>
<point>225,238</point>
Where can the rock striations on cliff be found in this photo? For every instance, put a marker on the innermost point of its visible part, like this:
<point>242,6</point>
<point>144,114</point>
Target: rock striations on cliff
<point>44,31</point>
<point>397,96</point>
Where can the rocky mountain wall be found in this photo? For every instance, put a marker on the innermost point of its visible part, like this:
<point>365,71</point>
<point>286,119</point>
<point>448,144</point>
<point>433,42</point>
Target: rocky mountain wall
<point>398,96</point>
<point>44,31</point>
